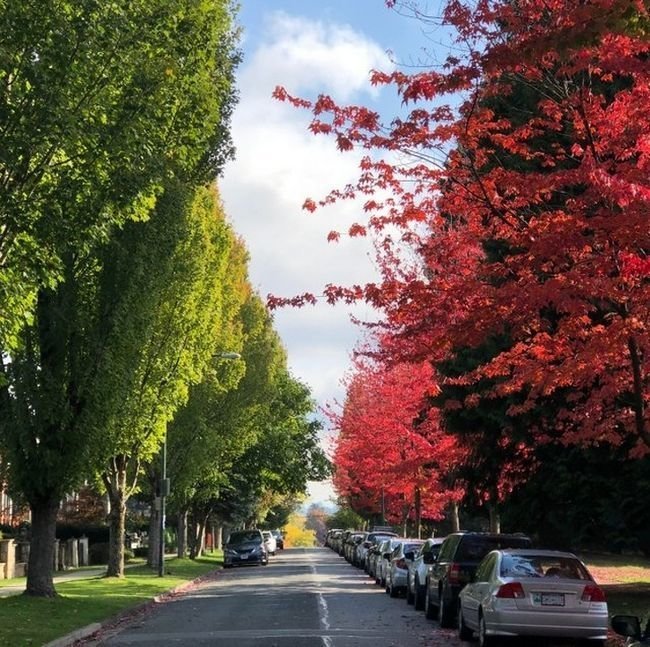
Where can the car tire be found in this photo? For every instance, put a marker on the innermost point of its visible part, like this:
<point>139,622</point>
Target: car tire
<point>393,591</point>
<point>464,632</point>
<point>430,611</point>
<point>483,639</point>
<point>418,596</point>
<point>410,598</point>
<point>446,613</point>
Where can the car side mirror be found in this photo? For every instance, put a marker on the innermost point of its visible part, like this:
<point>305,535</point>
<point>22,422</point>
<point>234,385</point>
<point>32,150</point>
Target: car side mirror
<point>386,555</point>
<point>627,626</point>
<point>428,558</point>
<point>409,555</point>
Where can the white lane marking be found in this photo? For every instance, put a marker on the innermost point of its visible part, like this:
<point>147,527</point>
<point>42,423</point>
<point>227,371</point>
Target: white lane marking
<point>323,611</point>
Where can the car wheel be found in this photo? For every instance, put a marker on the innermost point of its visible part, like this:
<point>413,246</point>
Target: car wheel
<point>483,639</point>
<point>430,611</point>
<point>446,612</point>
<point>393,591</point>
<point>464,632</point>
<point>418,596</point>
<point>410,598</point>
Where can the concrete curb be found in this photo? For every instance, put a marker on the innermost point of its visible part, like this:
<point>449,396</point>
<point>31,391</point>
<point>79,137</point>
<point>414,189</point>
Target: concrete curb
<point>116,623</point>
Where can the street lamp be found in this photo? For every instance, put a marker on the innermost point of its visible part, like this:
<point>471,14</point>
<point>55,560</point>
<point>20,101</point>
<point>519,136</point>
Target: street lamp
<point>165,486</point>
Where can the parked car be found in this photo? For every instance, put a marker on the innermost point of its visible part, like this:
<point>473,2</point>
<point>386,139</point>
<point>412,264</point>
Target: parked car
<point>329,537</point>
<point>270,542</point>
<point>245,547</point>
<point>400,559</point>
<point>418,571</point>
<point>630,626</point>
<point>460,554</point>
<point>383,559</point>
<point>354,539</point>
<point>541,593</point>
<point>363,550</point>
<point>279,539</point>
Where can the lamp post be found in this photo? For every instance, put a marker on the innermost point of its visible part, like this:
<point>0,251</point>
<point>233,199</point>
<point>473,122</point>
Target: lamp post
<point>165,486</point>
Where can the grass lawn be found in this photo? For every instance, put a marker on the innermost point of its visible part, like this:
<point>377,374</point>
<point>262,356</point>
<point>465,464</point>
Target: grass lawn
<point>30,621</point>
<point>625,580</point>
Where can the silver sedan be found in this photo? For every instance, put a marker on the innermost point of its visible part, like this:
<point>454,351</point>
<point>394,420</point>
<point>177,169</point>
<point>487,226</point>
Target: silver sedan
<point>530,592</point>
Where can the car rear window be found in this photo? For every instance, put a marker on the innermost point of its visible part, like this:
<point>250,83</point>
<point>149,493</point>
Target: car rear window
<point>474,549</point>
<point>543,566</point>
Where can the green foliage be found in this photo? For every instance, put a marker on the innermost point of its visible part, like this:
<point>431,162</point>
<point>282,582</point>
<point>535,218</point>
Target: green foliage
<point>101,103</point>
<point>345,518</point>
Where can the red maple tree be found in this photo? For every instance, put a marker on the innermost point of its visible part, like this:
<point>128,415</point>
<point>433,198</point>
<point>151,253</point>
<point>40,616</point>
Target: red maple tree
<point>527,207</point>
<point>390,452</point>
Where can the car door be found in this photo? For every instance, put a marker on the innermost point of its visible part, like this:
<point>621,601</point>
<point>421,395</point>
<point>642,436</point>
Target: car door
<point>474,592</point>
<point>439,568</point>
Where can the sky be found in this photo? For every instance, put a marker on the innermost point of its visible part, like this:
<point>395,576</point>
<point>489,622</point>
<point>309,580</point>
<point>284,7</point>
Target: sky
<point>309,47</point>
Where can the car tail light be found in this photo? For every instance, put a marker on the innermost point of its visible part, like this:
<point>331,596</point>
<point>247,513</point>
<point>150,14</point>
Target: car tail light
<point>401,563</point>
<point>593,593</point>
<point>454,574</point>
<point>511,590</point>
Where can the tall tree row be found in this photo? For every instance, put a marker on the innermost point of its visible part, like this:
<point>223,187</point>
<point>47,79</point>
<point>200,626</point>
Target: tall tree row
<point>525,206</point>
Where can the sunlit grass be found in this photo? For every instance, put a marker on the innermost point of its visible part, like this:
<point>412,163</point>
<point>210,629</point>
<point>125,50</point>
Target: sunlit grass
<point>30,621</point>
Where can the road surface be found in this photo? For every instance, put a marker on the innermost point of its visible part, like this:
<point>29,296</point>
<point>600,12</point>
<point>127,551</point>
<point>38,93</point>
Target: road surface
<point>304,598</point>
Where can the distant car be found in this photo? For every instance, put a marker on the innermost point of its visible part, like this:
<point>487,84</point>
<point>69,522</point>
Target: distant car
<point>363,550</point>
<point>245,547</point>
<point>630,626</point>
<point>279,539</point>
<point>460,554</point>
<point>418,571</point>
<point>270,542</point>
<point>532,593</point>
<point>398,566</point>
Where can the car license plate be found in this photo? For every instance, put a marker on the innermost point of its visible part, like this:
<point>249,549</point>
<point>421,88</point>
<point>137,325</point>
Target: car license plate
<point>552,599</point>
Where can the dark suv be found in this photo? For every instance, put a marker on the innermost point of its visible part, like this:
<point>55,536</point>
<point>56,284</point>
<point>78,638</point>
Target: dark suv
<point>245,547</point>
<point>458,558</point>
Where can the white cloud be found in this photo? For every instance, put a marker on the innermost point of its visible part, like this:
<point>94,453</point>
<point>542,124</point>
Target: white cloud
<point>279,164</point>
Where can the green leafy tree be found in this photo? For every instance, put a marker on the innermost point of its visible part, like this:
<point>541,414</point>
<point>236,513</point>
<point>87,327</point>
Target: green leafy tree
<point>219,422</point>
<point>100,103</point>
<point>159,330</point>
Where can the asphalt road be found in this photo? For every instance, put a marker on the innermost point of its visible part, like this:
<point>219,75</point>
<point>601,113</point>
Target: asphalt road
<point>304,598</point>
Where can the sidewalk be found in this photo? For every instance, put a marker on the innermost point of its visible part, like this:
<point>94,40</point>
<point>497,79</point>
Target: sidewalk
<point>61,576</point>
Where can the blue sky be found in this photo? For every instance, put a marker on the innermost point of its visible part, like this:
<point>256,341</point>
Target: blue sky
<point>308,46</point>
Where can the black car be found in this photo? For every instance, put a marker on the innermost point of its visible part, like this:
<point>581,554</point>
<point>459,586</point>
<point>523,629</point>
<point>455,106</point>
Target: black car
<point>245,547</point>
<point>460,554</point>
<point>630,626</point>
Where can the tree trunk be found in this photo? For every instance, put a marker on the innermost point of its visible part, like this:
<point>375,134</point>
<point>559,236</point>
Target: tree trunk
<point>40,582</point>
<point>639,404</point>
<point>182,533</point>
<point>455,517</point>
<point>115,480</point>
<point>495,517</point>
<point>418,513</point>
<point>117,526</point>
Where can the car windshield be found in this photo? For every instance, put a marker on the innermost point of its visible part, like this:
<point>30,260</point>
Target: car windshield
<point>543,566</point>
<point>252,536</point>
